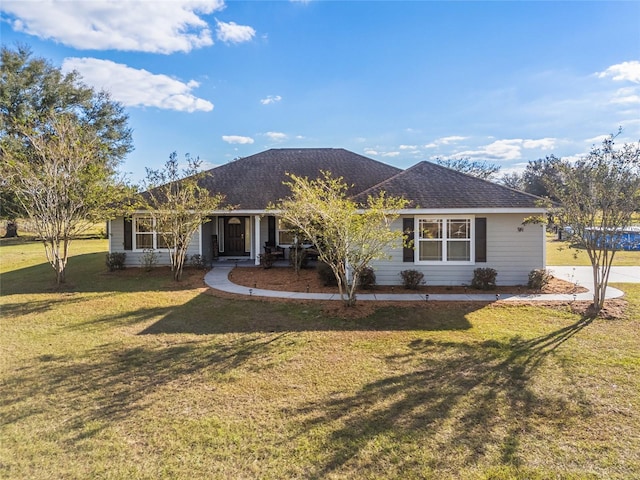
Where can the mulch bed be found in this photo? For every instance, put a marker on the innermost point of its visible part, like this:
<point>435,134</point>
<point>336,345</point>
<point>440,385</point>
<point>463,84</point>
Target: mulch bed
<point>307,280</point>
<point>285,279</point>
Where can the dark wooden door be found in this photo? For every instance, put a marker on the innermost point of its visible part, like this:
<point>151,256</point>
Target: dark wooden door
<point>234,236</point>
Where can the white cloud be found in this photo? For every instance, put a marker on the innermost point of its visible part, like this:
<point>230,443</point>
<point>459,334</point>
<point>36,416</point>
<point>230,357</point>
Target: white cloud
<point>132,25</point>
<point>370,151</point>
<point>626,96</point>
<point>233,33</point>
<point>629,71</point>
<point>134,87</point>
<point>596,140</point>
<point>237,139</point>
<point>444,141</point>
<point>270,99</point>
<point>498,150</point>
<point>449,140</point>
<point>542,143</point>
<point>408,147</point>
<point>506,150</point>
<point>391,154</point>
<point>276,136</point>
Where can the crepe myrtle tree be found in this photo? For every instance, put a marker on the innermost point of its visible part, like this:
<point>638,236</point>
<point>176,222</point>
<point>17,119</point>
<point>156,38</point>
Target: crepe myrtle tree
<point>597,196</point>
<point>178,204</point>
<point>347,236</point>
<point>61,184</point>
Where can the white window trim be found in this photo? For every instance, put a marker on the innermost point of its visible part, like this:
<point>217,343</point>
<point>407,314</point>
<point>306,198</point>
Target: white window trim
<point>280,230</point>
<point>153,234</point>
<point>445,220</point>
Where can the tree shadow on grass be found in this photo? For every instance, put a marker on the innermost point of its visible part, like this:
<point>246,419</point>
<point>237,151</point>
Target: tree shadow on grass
<point>110,383</point>
<point>88,273</point>
<point>35,307</point>
<point>210,315</point>
<point>458,400</point>
<point>207,313</point>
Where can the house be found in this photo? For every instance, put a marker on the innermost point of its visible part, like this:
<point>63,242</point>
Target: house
<point>458,222</point>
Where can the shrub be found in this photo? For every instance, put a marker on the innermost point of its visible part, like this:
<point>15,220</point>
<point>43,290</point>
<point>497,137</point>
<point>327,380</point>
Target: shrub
<point>198,261</point>
<point>267,259</point>
<point>149,259</point>
<point>115,261</point>
<point>326,275</point>
<point>484,278</point>
<point>367,278</point>
<point>298,258</point>
<point>538,279</point>
<point>412,279</point>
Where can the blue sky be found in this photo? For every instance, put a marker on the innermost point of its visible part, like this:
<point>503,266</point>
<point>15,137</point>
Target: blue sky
<point>400,82</point>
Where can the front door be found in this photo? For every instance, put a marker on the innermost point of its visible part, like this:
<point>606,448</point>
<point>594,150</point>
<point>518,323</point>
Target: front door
<point>234,236</point>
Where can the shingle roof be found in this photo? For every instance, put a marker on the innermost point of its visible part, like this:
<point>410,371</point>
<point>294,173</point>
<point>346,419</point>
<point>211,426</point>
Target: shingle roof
<point>254,182</point>
<point>427,185</point>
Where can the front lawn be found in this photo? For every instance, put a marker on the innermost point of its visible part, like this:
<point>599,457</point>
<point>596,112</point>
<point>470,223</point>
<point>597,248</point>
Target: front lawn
<point>129,375</point>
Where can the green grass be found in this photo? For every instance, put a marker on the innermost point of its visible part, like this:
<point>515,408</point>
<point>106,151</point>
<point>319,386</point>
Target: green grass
<point>127,375</point>
<point>562,253</point>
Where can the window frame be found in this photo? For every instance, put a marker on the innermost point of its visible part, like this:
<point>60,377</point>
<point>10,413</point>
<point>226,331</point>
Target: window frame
<point>154,234</point>
<point>282,231</point>
<point>445,223</point>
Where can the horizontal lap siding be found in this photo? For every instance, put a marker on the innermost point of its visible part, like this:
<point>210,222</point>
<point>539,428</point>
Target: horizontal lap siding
<point>133,258</point>
<point>116,235</point>
<point>513,254</point>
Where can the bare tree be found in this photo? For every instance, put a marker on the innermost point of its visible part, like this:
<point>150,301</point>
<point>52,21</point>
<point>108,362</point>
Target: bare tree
<point>483,169</point>
<point>512,180</point>
<point>62,187</point>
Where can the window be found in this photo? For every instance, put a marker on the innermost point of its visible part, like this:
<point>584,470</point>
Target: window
<point>146,236</point>
<point>285,236</point>
<point>444,240</point>
<point>144,233</point>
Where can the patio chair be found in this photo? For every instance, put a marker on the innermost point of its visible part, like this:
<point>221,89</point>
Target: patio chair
<point>275,250</point>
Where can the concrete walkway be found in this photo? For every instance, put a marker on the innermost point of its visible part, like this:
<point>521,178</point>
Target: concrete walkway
<point>218,279</point>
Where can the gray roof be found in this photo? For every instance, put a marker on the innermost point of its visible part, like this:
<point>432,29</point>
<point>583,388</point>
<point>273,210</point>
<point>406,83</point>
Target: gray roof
<point>427,185</point>
<point>254,182</point>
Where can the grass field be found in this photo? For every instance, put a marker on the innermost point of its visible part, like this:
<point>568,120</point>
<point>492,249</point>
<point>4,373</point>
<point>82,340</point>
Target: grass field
<point>130,376</point>
<point>562,253</point>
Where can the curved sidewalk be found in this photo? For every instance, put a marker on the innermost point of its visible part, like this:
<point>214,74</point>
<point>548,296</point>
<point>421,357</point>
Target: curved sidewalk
<point>218,279</point>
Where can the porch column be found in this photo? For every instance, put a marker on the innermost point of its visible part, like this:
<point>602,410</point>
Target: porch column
<point>258,242</point>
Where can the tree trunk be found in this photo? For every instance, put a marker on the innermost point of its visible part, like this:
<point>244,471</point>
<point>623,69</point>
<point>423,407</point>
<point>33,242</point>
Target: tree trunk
<point>12,229</point>
<point>600,281</point>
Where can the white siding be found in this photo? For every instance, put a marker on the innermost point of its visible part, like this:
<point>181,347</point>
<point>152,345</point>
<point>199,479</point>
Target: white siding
<point>512,253</point>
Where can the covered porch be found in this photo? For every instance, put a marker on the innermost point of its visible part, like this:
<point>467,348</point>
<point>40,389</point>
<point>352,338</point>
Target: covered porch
<point>241,236</point>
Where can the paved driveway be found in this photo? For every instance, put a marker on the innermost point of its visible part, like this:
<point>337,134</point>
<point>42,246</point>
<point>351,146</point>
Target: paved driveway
<point>584,276</point>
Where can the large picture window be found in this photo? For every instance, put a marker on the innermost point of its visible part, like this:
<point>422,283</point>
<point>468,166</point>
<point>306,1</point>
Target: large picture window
<point>146,235</point>
<point>444,240</point>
